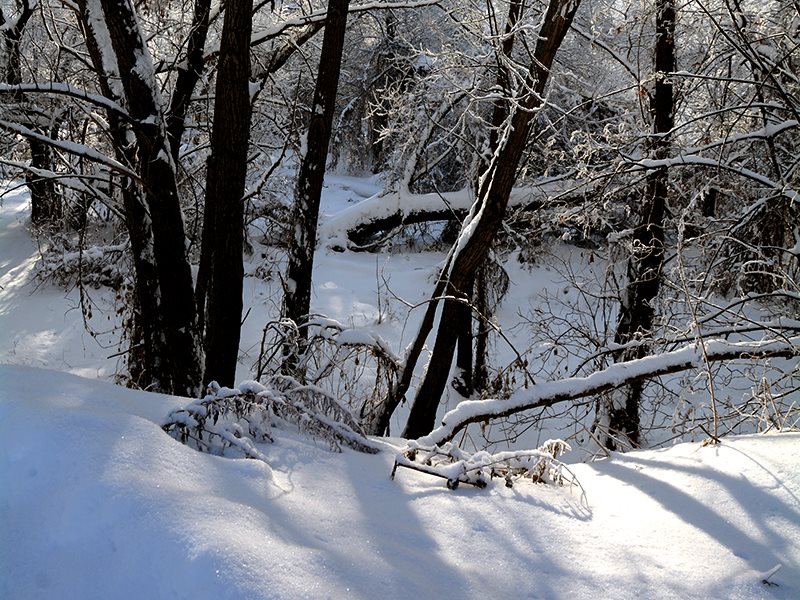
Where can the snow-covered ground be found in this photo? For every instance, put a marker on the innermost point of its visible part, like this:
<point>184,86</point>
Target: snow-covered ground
<point>97,502</point>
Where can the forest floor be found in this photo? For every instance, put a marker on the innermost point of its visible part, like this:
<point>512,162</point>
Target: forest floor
<point>97,502</point>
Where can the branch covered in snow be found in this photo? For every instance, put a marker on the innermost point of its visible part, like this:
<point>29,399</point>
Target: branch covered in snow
<point>386,211</point>
<point>615,376</point>
<point>456,466</point>
<point>696,160</point>
<point>70,147</point>
<point>64,89</point>
<point>237,419</point>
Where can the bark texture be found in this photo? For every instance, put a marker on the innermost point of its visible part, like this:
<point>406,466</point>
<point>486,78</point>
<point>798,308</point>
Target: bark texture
<point>227,170</point>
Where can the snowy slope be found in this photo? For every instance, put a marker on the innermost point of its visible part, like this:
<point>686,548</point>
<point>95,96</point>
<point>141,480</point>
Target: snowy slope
<point>97,502</point>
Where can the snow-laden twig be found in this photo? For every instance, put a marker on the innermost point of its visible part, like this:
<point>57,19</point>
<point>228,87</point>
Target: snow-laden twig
<point>234,420</point>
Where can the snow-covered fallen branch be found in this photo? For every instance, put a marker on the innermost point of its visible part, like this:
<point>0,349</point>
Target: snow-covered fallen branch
<point>617,375</point>
<point>389,210</point>
<point>456,466</point>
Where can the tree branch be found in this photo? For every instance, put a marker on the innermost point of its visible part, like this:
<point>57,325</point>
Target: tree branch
<point>615,376</point>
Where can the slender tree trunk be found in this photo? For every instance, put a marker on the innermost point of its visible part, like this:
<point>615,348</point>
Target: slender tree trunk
<point>189,72</point>
<point>486,216</point>
<point>467,379</point>
<point>297,299</point>
<point>463,383</point>
<point>227,170</point>
<point>637,312</point>
<point>46,206</point>
<point>499,115</point>
<point>481,376</point>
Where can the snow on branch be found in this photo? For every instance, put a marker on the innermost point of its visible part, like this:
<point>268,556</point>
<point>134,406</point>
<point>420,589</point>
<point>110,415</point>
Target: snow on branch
<point>64,89</point>
<point>456,466</point>
<point>388,210</point>
<point>615,376</point>
<point>270,33</point>
<point>688,160</point>
<point>234,420</point>
<point>70,147</point>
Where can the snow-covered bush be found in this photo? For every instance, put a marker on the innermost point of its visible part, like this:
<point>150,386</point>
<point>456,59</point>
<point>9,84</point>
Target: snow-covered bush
<point>352,363</point>
<point>232,421</point>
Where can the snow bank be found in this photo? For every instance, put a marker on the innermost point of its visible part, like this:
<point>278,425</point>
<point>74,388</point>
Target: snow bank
<point>97,502</point>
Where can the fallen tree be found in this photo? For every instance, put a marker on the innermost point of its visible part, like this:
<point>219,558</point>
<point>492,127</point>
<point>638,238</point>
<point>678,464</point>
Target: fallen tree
<point>620,374</point>
<point>356,227</point>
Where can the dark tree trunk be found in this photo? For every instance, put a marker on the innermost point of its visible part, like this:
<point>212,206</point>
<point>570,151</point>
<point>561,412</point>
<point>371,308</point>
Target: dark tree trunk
<point>147,344</point>
<point>227,170</point>
<point>297,299</point>
<point>466,364</point>
<point>481,373</point>
<point>463,382</point>
<point>181,365</point>
<point>485,218</point>
<point>46,206</point>
<point>637,312</point>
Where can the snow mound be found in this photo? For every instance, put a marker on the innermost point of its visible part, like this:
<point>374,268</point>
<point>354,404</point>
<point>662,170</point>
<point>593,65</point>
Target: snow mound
<point>96,501</point>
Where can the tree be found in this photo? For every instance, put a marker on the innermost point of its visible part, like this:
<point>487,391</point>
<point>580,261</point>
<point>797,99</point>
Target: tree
<point>637,310</point>
<point>46,205</point>
<point>227,170</point>
<point>154,217</point>
<point>480,227</point>
<point>305,212</point>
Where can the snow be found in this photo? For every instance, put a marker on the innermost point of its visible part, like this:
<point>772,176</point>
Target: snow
<point>98,502</point>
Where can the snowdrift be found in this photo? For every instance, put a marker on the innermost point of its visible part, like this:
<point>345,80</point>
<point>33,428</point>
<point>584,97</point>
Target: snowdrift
<point>96,501</point>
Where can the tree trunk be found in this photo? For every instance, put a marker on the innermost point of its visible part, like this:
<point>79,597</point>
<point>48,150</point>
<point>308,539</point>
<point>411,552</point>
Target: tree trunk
<point>481,372</point>
<point>297,299</point>
<point>227,170</point>
<point>147,344</point>
<point>46,206</point>
<point>486,216</point>
<point>189,72</point>
<point>463,382</point>
<point>181,364</point>
<point>637,312</point>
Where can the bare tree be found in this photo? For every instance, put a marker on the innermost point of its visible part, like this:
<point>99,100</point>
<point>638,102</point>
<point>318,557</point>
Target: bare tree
<point>480,227</point>
<point>46,206</point>
<point>155,218</point>
<point>224,207</point>
<point>637,310</point>
<point>297,300</point>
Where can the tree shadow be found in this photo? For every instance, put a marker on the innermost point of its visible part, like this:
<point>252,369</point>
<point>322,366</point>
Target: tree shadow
<point>774,546</point>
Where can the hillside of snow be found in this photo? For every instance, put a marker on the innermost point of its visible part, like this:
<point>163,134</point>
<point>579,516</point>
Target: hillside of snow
<point>98,502</point>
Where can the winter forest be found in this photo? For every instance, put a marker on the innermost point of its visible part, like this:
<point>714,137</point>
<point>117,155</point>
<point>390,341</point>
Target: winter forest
<point>497,237</point>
